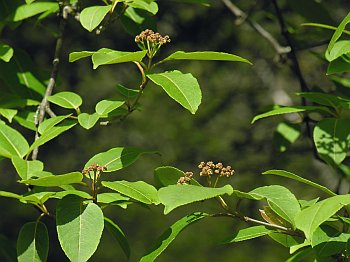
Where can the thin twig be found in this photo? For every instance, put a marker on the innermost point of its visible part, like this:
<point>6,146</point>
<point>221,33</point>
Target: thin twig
<point>44,105</point>
<point>297,71</point>
<point>242,16</point>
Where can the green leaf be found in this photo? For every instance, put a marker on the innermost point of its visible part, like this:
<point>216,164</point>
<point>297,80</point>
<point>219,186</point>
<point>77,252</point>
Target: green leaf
<point>92,16</point>
<point>338,32</point>
<point>168,175</point>
<point>332,139</point>
<point>66,99</point>
<point>117,158</point>
<point>79,193</point>
<point>51,122</point>
<point>79,227</point>
<point>26,119</point>
<point>36,198</point>
<point>285,135</point>
<point>249,233</point>
<point>107,56</point>
<point>326,99</point>
<point>51,134</point>
<point>119,235</point>
<point>127,92</point>
<point>57,180</point>
<point>9,114</point>
<point>302,255</point>
<point>74,56</point>
<point>183,88</point>
<point>29,10</point>
<point>206,55</point>
<point>339,65</point>
<point>170,234</point>
<point>288,110</point>
<point>286,240</point>
<point>280,199</point>
<point>9,194</point>
<point>33,242</point>
<point>340,48</point>
<point>310,218</point>
<point>106,106</point>
<point>107,198</point>
<point>178,195</point>
<point>299,179</point>
<point>140,191</point>
<point>26,168</point>
<point>12,143</point>
<point>151,7</point>
<point>327,241</point>
<point>6,52</point>
<point>87,121</point>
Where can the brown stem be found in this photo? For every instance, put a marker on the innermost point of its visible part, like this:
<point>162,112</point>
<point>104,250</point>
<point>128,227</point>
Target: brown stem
<point>243,17</point>
<point>44,105</point>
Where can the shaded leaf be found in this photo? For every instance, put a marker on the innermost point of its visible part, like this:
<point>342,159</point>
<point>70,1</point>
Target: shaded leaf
<point>151,7</point>
<point>119,235</point>
<point>183,88</point>
<point>169,235</point>
<point>74,56</point>
<point>140,191</point>
<point>174,196</point>
<point>26,168</point>
<point>285,135</point>
<point>117,158</point>
<point>79,227</point>
<point>332,139</point>
<point>92,16</point>
<point>168,175</point>
<point>29,10</point>
<point>127,92</point>
<point>300,179</point>
<point>33,243</point>
<point>51,122</point>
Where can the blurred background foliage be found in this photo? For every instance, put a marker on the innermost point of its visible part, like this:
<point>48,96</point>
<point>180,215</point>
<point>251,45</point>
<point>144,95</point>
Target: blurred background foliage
<point>220,131</point>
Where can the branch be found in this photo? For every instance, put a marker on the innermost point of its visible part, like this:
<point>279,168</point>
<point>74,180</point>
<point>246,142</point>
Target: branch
<point>241,16</point>
<point>44,105</point>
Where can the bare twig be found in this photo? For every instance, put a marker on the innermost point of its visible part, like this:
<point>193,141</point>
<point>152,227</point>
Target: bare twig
<point>242,16</point>
<point>44,105</point>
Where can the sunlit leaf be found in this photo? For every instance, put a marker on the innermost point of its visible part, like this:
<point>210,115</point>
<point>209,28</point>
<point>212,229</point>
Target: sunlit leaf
<point>66,99</point>
<point>87,121</point>
<point>12,143</point>
<point>249,233</point>
<point>92,16</point>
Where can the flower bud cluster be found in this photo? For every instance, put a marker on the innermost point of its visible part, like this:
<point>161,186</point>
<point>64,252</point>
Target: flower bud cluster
<point>151,41</point>
<point>94,168</point>
<point>185,179</point>
<point>209,169</point>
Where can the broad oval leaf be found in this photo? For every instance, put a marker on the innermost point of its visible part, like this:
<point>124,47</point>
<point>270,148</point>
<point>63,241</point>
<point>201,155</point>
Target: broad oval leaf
<point>206,55</point>
<point>149,6</point>
<point>300,179</point>
<point>119,235</point>
<point>66,99</point>
<point>74,56</point>
<point>106,106</point>
<point>57,180</point>
<point>12,143</point>
<point>288,110</point>
<point>249,233</point>
<point>6,52</point>
<point>332,139</point>
<point>87,121</point>
<point>178,195</point>
<point>79,227</point>
<point>183,88</point>
<point>285,134</point>
<point>168,175</point>
<point>37,198</point>
<point>340,48</point>
<point>9,114</point>
<point>92,16</point>
<point>107,56</point>
<point>310,218</point>
<point>170,234</point>
<point>338,32</point>
<point>140,191</point>
<point>117,158</point>
<point>26,168</point>
<point>33,242</point>
<point>29,10</point>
